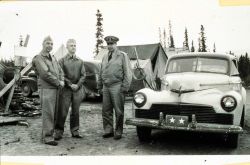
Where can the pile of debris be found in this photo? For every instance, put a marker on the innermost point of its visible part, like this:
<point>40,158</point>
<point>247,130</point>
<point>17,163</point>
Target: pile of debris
<point>23,106</point>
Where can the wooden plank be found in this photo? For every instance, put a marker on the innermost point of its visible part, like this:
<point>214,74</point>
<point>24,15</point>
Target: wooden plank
<point>12,82</point>
<point>9,98</point>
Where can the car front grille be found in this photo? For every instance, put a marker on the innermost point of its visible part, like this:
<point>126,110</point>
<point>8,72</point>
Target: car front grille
<point>203,113</point>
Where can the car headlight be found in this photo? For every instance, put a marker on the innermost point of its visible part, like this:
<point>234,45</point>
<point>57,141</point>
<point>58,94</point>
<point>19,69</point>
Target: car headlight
<point>228,103</point>
<point>139,99</point>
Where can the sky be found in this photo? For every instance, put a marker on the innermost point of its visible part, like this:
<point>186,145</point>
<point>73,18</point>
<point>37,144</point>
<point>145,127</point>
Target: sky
<point>133,21</point>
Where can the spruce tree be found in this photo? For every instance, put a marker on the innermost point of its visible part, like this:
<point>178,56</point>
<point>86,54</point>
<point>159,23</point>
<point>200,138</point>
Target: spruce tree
<point>203,47</point>
<point>199,46</point>
<point>241,66</point>
<point>214,49</point>
<point>244,68</point>
<point>99,31</point>
<point>185,43</point>
<point>192,47</point>
<point>160,38</point>
<point>247,65</point>
<point>164,40</point>
<point>171,38</point>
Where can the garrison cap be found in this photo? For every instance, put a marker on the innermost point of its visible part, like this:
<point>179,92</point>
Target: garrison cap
<point>111,39</point>
<point>48,38</point>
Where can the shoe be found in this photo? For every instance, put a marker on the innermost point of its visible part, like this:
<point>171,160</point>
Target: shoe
<point>117,137</point>
<point>58,138</point>
<point>77,136</point>
<point>108,135</point>
<point>52,143</point>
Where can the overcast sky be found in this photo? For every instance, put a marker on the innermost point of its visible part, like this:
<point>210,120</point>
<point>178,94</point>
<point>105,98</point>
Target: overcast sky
<point>134,22</point>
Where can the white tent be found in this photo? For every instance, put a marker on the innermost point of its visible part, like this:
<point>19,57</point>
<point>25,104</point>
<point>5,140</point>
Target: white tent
<point>61,52</point>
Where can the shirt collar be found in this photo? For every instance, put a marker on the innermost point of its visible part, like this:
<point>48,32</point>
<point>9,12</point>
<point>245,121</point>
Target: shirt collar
<point>69,56</point>
<point>45,54</point>
<point>113,52</point>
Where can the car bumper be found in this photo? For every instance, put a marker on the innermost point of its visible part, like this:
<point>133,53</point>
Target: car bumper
<point>192,126</point>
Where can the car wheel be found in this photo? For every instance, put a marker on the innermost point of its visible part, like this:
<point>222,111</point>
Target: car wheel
<point>143,133</point>
<point>26,90</point>
<point>232,140</point>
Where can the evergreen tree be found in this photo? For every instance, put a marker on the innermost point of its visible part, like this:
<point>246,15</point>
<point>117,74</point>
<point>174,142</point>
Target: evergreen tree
<point>203,47</point>
<point>244,68</point>
<point>214,49</point>
<point>192,47</point>
<point>171,38</point>
<point>99,31</point>
<point>247,64</point>
<point>171,42</point>
<point>164,40</point>
<point>199,46</point>
<point>160,38</point>
<point>241,66</point>
<point>185,43</point>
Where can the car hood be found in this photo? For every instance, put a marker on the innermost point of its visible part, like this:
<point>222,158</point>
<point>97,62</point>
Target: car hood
<point>195,81</point>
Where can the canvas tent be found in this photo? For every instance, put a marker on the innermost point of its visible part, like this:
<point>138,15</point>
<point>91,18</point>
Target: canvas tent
<point>152,52</point>
<point>61,52</point>
<point>138,83</point>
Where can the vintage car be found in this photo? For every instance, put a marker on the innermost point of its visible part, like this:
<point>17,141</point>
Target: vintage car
<point>29,84</point>
<point>200,92</point>
<point>92,69</point>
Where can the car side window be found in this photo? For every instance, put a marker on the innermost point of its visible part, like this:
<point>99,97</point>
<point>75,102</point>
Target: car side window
<point>234,70</point>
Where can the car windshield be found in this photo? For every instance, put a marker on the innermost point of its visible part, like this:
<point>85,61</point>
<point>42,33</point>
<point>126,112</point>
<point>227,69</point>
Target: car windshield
<point>200,64</point>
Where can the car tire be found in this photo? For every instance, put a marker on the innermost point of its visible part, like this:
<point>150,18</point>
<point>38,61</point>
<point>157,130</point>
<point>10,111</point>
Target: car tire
<point>143,133</point>
<point>232,140</point>
<point>26,90</point>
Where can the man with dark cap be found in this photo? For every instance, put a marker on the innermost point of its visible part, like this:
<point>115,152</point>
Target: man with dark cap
<point>72,93</point>
<point>114,81</point>
<point>50,80</point>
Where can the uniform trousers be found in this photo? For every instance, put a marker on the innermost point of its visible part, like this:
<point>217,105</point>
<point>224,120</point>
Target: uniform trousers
<point>113,98</point>
<point>48,100</point>
<point>73,99</point>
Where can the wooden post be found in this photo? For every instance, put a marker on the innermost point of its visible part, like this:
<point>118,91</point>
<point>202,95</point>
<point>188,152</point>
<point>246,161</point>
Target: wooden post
<point>16,77</point>
<point>9,98</point>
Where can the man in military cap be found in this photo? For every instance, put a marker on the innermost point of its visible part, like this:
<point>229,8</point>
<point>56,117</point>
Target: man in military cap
<point>50,80</point>
<point>114,80</point>
<point>72,93</point>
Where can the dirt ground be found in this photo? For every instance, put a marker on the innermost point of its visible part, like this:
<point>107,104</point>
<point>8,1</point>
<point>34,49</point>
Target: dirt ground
<point>23,141</point>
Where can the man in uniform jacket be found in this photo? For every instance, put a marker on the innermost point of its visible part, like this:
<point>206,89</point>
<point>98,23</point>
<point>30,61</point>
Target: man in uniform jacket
<point>50,80</point>
<point>73,92</point>
<point>114,80</point>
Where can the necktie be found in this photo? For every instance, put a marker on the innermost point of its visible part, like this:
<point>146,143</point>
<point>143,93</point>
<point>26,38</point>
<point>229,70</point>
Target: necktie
<point>110,56</point>
<point>50,58</point>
